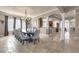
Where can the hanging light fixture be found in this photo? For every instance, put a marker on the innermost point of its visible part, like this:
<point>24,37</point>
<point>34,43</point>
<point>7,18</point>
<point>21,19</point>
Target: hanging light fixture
<point>27,19</point>
<point>25,16</point>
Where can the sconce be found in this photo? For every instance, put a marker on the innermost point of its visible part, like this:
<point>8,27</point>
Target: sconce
<point>2,21</point>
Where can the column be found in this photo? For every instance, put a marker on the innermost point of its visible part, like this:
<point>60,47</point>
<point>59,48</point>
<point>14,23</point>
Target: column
<point>62,27</point>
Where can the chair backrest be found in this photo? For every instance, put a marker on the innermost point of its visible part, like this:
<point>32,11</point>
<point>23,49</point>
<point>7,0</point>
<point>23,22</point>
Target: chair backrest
<point>36,33</point>
<point>15,32</point>
<point>34,29</point>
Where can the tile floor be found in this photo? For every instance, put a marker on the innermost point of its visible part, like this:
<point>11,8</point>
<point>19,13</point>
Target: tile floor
<point>47,44</point>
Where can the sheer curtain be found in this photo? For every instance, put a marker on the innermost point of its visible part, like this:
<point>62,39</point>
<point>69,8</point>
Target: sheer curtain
<point>10,24</point>
<point>18,23</point>
<point>23,26</point>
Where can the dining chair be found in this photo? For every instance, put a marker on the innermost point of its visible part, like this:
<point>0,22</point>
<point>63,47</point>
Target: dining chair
<point>36,36</point>
<point>24,38</point>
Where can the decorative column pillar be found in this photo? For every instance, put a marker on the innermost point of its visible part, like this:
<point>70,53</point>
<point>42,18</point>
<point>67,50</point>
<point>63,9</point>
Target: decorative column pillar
<point>62,27</point>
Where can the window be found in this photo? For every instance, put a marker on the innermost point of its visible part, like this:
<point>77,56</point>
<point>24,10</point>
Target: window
<point>18,23</point>
<point>23,26</point>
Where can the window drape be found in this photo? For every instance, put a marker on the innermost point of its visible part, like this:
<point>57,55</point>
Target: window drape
<point>6,26</point>
<point>14,25</point>
<point>21,23</point>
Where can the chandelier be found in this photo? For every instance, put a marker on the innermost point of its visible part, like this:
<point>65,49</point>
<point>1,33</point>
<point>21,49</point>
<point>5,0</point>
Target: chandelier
<point>26,17</point>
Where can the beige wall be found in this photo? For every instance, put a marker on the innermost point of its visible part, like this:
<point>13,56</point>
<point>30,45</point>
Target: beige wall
<point>2,25</point>
<point>77,25</point>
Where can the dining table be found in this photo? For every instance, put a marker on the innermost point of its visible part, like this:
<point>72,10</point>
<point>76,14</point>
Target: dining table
<point>30,34</point>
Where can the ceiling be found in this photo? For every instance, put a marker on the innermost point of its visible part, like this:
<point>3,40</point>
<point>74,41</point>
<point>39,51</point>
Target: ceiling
<point>36,11</point>
<point>31,10</point>
<point>66,8</point>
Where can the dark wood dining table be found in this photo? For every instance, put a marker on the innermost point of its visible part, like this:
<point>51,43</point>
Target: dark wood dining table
<point>30,34</point>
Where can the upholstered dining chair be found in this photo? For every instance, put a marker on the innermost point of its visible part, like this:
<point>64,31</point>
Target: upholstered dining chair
<point>23,38</point>
<point>36,36</point>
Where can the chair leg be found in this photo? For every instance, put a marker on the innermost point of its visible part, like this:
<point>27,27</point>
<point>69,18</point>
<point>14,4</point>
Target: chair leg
<point>34,41</point>
<point>20,41</point>
<point>30,40</point>
<point>23,42</point>
<point>26,41</point>
<point>38,40</point>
